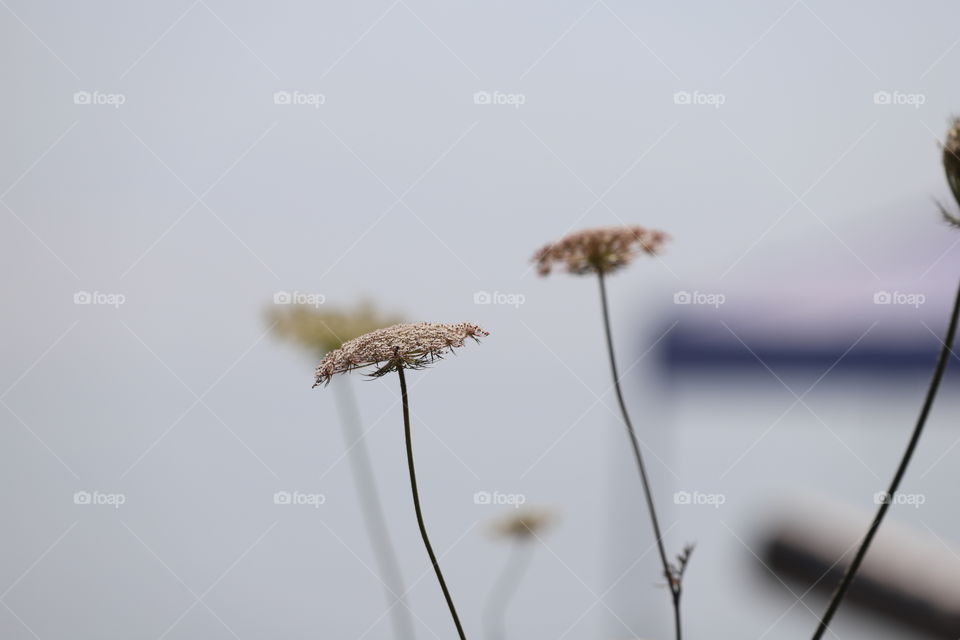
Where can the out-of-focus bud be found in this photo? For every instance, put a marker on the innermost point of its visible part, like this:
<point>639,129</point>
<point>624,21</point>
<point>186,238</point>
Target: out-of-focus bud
<point>951,158</point>
<point>951,165</point>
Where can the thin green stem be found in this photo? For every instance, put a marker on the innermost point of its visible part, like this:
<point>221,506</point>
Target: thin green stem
<point>505,587</point>
<point>938,372</point>
<point>673,583</point>
<point>372,509</point>
<point>416,503</point>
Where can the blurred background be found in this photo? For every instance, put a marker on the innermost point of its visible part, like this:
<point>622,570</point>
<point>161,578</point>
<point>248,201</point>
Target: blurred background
<point>173,170</point>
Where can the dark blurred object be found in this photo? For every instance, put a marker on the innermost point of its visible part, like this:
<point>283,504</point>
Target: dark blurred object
<point>697,346</point>
<point>906,576</point>
<point>877,308</point>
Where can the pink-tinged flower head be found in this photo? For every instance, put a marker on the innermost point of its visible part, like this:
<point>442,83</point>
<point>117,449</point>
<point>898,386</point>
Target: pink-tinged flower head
<point>412,346</point>
<point>600,250</point>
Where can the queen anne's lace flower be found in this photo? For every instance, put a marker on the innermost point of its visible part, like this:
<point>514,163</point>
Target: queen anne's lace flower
<point>324,330</point>
<point>413,346</point>
<point>600,250</point>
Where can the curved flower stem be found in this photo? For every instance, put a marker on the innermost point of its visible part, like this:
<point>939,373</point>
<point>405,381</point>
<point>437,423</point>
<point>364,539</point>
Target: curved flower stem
<point>945,352</point>
<point>505,587</point>
<point>372,510</point>
<point>416,503</point>
<point>673,583</point>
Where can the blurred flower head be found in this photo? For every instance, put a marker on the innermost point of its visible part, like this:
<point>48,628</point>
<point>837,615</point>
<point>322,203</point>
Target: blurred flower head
<point>600,250</point>
<point>524,524</point>
<point>951,158</point>
<point>412,346</point>
<point>322,331</point>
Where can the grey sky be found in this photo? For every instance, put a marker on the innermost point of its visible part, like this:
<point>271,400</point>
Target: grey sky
<point>200,196</point>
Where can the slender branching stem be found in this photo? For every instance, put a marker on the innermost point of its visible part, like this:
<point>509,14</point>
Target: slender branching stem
<point>672,581</point>
<point>372,509</point>
<point>416,502</point>
<point>505,587</point>
<point>945,352</point>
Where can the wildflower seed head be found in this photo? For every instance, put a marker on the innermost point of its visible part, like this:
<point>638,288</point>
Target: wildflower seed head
<point>526,523</point>
<point>322,331</point>
<point>411,346</point>
<point>951,158</point>
<point>601,250</point>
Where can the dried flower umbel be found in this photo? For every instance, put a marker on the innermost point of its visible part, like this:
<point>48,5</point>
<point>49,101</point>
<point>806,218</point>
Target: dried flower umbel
<point>602,251</point>
<point>402,346</point>
<point>951,164</point>
<point>522,528</point>
<point>396,348</point>
<point>319,331</point>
